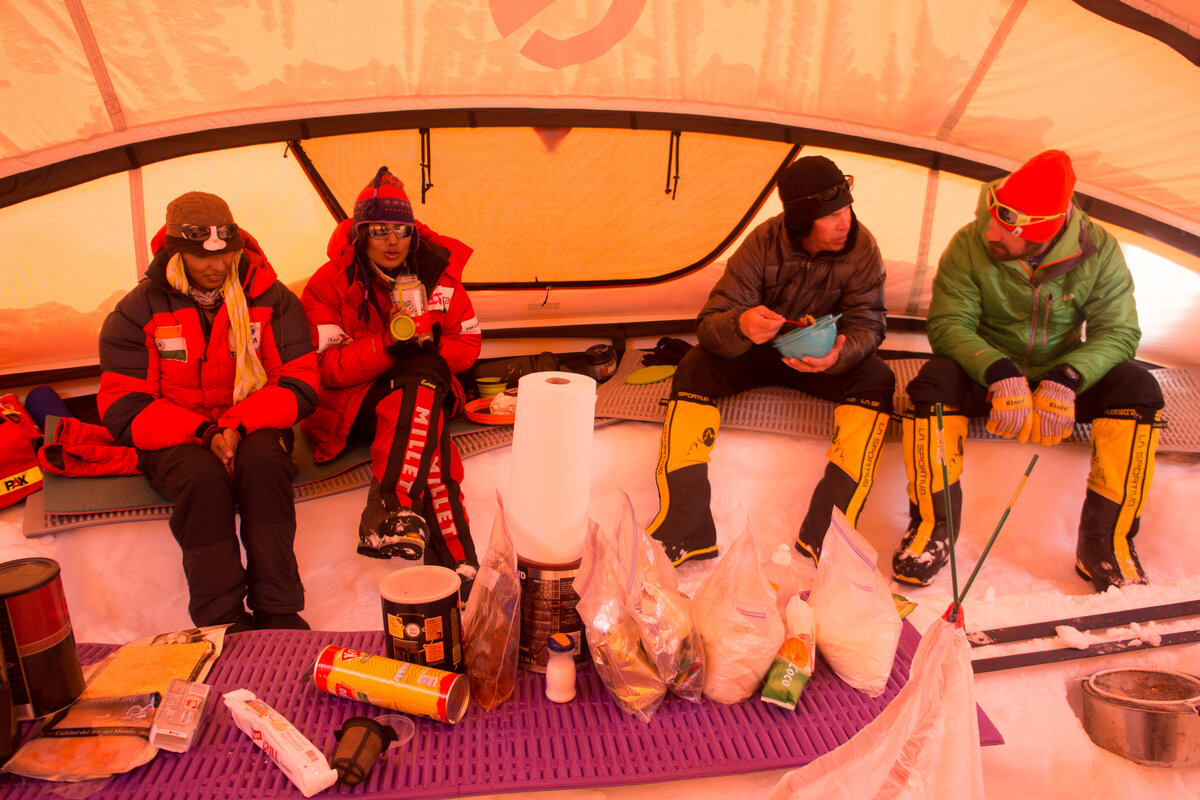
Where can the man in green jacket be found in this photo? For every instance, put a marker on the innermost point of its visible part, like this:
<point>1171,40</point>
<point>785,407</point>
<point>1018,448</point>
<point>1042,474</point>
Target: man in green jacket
<point>1013,294</point>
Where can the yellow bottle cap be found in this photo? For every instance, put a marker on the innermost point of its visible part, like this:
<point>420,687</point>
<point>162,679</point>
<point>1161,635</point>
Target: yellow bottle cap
<point>402,327</point>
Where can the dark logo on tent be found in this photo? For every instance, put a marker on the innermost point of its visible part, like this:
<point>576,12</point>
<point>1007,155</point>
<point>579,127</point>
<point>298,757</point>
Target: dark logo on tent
<point>555,53</point>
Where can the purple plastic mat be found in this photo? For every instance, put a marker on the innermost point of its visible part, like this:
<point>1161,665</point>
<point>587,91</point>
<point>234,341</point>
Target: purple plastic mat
<point>527,744</point>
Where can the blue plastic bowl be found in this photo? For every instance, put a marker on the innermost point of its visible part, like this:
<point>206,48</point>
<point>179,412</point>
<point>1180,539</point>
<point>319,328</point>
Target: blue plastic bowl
<point>816,340</point>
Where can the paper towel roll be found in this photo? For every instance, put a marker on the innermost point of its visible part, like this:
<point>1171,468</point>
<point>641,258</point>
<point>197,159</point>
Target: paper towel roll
<point>549,482</point>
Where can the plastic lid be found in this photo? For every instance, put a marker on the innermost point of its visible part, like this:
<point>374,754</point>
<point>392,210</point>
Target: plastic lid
<point>560,643</point>
<point>402,725</point>
<point>420,584</point>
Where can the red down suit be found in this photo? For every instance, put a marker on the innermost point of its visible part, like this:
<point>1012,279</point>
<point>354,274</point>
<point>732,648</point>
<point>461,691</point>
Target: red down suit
<point>412,456</point>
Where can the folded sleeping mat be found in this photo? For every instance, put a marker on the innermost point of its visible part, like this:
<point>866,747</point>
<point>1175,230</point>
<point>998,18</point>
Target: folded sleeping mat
<point>526,744</point>
<point>69,503</point>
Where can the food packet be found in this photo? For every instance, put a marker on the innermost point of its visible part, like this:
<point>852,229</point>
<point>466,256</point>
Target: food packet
<point>663,613</point>
<point>107,731</point>
<point>95,737</point>
<point>613,636</point>
<point>492,619</point>
<point>738,620</point>
<point>793,664</point>
<point>858,626</point>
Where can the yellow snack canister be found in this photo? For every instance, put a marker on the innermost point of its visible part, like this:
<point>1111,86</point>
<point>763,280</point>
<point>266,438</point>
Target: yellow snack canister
<point>388,683</point>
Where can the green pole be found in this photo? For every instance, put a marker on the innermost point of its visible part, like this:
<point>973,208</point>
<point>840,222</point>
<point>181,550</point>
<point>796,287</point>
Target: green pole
<point>996,532</point>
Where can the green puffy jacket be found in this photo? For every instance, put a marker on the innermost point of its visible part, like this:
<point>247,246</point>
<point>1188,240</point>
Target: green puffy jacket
<point>983,310</point>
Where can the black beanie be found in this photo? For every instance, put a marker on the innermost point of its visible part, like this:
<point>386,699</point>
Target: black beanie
<point>802,179</point>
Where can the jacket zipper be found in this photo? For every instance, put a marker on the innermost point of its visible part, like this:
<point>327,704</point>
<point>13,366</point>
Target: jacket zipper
<point>1046,317</point>
<point>1033,326</point>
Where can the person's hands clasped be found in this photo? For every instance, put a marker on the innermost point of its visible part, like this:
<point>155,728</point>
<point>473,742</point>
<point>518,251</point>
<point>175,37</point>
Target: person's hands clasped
<point>1053,412</point>
<point>818,363</point>
<point>760,324</point>
<point>224,445</point>
<point>1012,406</point>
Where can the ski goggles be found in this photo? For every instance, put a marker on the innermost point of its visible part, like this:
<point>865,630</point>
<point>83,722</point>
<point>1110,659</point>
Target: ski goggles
<point>200,233</point>
<point>828,194</point>
<point>1010,216</point>
<point>382,231</point>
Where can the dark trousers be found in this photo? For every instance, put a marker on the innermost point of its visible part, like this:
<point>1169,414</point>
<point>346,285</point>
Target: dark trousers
<point>870,383</point>
<point>206,500</point>
<point>1127,385</point>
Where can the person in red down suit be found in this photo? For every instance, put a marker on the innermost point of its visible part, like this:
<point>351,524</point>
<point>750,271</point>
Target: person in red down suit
<point>206,366</point>
<point>397,393</point>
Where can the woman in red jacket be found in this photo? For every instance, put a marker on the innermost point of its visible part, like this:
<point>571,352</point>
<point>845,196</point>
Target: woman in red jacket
<point>206,366</point>
<point>396,393</point>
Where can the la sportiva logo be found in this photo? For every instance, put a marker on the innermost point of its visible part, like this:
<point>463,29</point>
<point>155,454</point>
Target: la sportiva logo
<point>555,53</point>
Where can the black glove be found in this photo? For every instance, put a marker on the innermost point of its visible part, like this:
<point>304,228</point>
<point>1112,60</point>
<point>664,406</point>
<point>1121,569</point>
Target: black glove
<point>416,344</point>
<point>406,348</point>
<point>667,351</point>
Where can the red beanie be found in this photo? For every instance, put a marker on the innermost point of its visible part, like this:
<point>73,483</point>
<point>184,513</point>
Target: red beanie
<point>1041,187</point>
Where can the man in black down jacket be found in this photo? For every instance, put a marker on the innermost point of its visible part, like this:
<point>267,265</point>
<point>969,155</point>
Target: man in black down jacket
<point>813,259</point>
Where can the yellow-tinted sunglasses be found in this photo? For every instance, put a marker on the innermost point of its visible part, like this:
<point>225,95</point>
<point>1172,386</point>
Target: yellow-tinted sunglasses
<point>1010,216</point>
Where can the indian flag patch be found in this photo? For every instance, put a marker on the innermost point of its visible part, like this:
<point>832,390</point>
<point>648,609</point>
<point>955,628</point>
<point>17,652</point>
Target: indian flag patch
<point>170,342</point>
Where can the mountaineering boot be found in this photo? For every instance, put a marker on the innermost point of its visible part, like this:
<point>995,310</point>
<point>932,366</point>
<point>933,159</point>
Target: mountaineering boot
<point>853,455</point>
<point>383,534</point>
<point>925,548</point>
<point>373,515</point>
<point>684,522</point>
<point>1123,448</point>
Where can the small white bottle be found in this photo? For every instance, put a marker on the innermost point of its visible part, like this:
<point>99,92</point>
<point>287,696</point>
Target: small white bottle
<point>560,668</point>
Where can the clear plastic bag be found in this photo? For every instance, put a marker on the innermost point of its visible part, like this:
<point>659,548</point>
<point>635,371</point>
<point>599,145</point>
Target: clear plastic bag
<point>858,626</point>
<point>736,614</point>
<point>924,744</point>
<point>614,639</point>
<point>492,619</point>
<point>663,613</point>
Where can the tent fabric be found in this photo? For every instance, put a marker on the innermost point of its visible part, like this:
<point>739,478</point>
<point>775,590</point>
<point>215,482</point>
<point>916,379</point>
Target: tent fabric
<point>545,130</point>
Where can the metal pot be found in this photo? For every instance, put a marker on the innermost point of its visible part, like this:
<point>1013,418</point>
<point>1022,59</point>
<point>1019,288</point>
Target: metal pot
<point>1146,715</point>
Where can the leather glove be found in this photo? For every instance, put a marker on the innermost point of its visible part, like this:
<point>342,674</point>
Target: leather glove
<point>1053,412</point>
<point>1011,409</point>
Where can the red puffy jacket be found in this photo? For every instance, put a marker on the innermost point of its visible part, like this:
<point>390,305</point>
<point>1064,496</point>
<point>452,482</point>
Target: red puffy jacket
<point>167,374</point>
<point>349,328</point>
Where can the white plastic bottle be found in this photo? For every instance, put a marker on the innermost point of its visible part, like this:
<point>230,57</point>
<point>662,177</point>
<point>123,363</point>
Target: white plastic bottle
<point>560,668</point>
